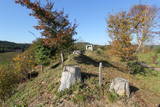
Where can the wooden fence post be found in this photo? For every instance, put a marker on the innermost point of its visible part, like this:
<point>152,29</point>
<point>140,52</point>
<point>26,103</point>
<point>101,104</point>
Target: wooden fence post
<point>100,74</point>
<point>62,59</point>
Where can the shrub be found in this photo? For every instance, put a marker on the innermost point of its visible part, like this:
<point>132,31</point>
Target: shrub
<point>8,82</point>
<point>99,51</point>
<point>135,67</point>
<point>24,62</point>
<point>158,59</point>
<point>157,49</point>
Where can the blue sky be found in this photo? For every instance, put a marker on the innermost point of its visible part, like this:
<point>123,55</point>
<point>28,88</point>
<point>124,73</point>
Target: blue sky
<point>90,15</point>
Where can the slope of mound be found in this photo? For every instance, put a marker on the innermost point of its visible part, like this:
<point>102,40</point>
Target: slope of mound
<point>43,90</point>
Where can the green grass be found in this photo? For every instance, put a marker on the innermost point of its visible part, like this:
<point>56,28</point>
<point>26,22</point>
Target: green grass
<point>151,80</point>
<point>112,97</point>
<point>6,58</point>
<point>44,89</point>
<point>148,58</point>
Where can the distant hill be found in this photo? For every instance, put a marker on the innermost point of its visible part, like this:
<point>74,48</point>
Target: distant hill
<point>6,46</point>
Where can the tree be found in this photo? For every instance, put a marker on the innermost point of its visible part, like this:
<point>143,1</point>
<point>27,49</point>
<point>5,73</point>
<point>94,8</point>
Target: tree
<point>42,53</point>
<point>119,28</point>
<point>55,27</point>
<point>144,23</point>
<point>140,21</point>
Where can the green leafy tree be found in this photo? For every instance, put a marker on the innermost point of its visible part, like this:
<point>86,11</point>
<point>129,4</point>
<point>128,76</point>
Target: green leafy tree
<point>42,54</point>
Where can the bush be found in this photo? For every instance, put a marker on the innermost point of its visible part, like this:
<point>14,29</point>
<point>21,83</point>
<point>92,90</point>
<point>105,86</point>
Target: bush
<point>99,51</point>
<point>8,82</point>
<point>24,62</point>
<point>158,59</point>
<point>156,49</point>
<point>135,67</point>
<point>42,54</point>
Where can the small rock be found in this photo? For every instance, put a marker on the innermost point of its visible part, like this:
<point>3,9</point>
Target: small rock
<point>77,52</point>
<point>120,86</point>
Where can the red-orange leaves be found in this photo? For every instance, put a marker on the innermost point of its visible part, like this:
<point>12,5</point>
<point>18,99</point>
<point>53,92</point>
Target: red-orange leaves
<point>54,25</point>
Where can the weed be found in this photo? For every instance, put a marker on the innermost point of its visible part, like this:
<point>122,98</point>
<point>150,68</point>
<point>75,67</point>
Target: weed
<point>112,97</point>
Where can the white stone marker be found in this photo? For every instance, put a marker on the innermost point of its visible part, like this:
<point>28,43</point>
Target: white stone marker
<point>70,75</point>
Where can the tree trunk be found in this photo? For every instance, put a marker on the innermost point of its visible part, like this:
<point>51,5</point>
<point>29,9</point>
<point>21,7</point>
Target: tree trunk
<point>139,45</point>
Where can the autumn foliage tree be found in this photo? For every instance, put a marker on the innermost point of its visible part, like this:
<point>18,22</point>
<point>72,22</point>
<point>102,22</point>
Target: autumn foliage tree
<point>137,24</point>
<point>144,23</point>
<point>119,27</point>
<point>24,62</point>
<point>56,30</point>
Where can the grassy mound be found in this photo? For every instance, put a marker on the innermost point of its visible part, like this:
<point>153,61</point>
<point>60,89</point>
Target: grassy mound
<point>42,91</point>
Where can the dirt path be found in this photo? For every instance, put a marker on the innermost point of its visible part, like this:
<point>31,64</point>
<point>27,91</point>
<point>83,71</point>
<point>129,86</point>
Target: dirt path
<point>150,67</point>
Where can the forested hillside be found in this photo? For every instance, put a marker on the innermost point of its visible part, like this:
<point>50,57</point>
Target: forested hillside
<point>6,46</point>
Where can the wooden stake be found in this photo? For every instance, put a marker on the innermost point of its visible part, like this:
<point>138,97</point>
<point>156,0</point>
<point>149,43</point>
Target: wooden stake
<point>62,59</point>
<point>100,74</point>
